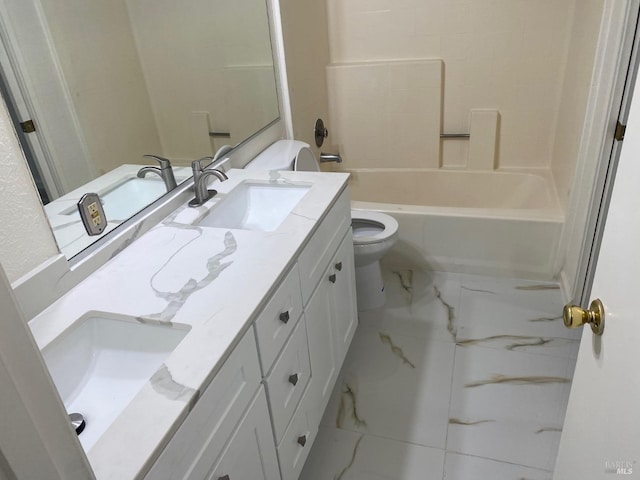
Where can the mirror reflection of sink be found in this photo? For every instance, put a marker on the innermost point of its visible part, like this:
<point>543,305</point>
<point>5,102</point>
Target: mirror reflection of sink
<point>128,197</point>
<point>99,364</point>
<point>255,206</point>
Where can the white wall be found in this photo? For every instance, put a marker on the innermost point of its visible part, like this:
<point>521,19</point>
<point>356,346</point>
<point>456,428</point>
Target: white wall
<point>26,239</point>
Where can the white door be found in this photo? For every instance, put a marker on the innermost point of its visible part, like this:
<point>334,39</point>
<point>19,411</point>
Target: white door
<point>601,435</point>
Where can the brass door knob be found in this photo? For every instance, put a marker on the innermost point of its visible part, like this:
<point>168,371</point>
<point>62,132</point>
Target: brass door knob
<point>575,316</point>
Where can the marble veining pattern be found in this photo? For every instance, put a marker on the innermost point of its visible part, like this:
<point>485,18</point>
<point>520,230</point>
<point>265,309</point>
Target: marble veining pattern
<point>396,350</point>
<point>215,266</point>
<point>349,397</point>
<point>353,459</point>
<point>483,364</point>
<point>163,383</point>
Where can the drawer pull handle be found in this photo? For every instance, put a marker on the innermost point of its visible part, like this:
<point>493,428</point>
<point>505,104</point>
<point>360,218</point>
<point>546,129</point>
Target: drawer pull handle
<point>293,379</point>
<point>339,266</point>
<point>284,317</point>
<point>224,477</point>
<point>332,278</point>
<point>302,440</point>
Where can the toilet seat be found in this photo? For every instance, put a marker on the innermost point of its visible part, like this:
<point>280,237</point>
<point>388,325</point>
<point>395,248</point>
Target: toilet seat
<point>305,161</point>
<point>386,225</point>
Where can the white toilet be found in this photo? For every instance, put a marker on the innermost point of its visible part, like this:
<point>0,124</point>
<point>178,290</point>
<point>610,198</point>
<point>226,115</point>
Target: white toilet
<point>374,233</point>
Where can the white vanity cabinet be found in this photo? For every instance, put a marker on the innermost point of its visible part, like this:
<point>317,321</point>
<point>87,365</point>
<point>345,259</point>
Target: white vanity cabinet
<point>331,317</point>
<point>327,280</point>
<point>250,454</point>
<point>205,438</point>
<point>290,359</point>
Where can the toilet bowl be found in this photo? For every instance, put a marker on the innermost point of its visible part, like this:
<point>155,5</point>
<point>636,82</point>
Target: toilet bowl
<point>374,233</point>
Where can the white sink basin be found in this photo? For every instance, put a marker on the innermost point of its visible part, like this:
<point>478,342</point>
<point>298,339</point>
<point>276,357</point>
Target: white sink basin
<point>131,196</point>
<point>255,206</point>
<point>128,197</point>
<point>99,364</point>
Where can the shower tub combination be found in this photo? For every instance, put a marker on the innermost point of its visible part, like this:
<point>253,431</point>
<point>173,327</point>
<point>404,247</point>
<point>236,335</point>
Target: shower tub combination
<point>494,222</point>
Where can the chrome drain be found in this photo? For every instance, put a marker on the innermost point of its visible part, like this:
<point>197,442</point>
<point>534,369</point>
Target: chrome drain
<point>77,422</point>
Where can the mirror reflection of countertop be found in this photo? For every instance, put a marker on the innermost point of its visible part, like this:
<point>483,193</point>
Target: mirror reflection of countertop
<point>213,280</point>
<point>123,194</point>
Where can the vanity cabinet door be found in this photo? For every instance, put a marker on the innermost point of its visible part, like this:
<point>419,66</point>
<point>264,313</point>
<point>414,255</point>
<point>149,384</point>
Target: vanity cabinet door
<point>251,452</point>
<point>322,345</point>
<point>201,438</point>
<point>343,297</point>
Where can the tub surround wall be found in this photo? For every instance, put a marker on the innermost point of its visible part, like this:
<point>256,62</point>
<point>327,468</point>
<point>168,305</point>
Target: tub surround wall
<point>483,143</point>
<point>503,55</point>
<point>373,102</point>
<point>575,94</point>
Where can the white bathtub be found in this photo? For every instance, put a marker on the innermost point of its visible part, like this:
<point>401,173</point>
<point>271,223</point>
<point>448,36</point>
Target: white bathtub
<point>497,223</point>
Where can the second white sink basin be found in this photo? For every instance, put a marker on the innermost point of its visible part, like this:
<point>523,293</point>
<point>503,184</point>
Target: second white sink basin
<point>126,198</point>
<point>131,196</point>
<point>255,206</point>
<point>99,365</point>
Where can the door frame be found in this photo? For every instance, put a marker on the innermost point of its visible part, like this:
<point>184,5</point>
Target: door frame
<point>614,67</point>
<point>36,80</point>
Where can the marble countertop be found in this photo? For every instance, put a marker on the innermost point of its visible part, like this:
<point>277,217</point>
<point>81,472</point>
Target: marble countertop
<point>215,280</point>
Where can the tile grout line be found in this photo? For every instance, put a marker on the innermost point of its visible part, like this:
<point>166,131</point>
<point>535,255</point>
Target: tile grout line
<point>453,369</point>
<point>462,454</point>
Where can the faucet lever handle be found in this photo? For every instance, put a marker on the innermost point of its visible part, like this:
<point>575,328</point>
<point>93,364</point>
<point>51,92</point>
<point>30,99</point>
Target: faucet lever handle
<point>197,165</point>
<point>164,162</point>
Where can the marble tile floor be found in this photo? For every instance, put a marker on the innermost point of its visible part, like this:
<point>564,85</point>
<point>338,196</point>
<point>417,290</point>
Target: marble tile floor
<point>458,377</point>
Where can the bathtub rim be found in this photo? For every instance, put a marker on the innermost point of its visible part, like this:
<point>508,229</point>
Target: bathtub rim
<point>552,213</point>
<point>531,215</point>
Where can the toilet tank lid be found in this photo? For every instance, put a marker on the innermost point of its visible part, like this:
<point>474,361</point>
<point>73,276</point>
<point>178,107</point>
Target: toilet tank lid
<point>278,156</point>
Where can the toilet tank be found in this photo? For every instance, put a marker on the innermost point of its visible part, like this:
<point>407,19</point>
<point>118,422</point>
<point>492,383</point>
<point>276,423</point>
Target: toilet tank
<point>286,155</point>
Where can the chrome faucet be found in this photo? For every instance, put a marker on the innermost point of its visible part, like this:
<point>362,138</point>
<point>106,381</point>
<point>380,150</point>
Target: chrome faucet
<point>200,176</point>
<point>165,171</point>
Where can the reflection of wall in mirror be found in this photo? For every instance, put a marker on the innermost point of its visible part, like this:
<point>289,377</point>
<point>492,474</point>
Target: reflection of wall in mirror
<point>95,46</point>
<point>148,76</point>
<point>26,240</point>
<point>186,50</point>
<point>249,99</point>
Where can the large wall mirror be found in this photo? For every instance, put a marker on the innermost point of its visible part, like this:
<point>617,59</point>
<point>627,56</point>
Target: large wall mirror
<point>105,82</point>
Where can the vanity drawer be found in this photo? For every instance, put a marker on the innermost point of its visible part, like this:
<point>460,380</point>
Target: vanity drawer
<point>288,379</point>
<point>315,256</point>
<point>202,436</point>
<point>278,319</point>
<point>296,443</point>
